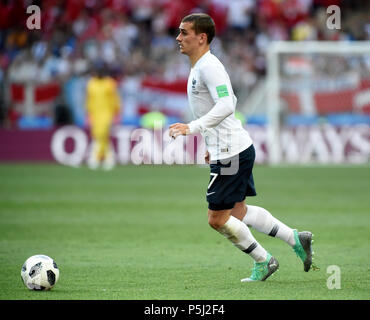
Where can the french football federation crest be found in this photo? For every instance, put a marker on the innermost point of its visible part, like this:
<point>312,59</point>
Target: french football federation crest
<point>193,86</point>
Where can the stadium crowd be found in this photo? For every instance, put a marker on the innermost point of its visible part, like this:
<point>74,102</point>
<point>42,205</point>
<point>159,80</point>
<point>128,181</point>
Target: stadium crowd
<point>137,37</point>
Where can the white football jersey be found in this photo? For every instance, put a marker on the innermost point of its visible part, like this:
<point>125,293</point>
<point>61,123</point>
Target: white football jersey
<point>212,102</point>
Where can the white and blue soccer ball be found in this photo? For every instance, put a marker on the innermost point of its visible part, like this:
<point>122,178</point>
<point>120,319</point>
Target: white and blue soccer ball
<point>40,272</point>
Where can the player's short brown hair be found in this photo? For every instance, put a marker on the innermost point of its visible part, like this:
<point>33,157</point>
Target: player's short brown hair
<point>202,23</point>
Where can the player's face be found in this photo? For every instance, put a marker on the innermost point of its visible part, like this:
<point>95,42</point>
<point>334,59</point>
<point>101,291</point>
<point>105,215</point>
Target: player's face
<point>187,39</point>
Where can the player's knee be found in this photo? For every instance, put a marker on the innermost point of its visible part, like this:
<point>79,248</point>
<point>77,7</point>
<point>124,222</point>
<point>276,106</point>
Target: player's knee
<point>217,219</point>
<point>214,223</point>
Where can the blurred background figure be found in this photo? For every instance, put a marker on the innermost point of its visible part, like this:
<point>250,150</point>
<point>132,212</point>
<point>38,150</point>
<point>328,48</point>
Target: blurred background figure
<point>103,109</point>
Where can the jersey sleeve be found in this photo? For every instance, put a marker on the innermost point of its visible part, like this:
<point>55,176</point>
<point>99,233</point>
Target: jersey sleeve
<point>219,86</point>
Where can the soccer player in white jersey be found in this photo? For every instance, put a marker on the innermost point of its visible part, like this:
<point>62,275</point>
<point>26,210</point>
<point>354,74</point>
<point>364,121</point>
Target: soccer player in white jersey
<point>230,153</point>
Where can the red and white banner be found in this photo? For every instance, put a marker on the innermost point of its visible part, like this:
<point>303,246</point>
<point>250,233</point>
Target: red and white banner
<point>157,95</point>
<point>34,99</point>
<point>347,94</point>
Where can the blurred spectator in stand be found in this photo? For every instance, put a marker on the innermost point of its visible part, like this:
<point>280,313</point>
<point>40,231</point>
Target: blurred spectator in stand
<point>103,108</point>
<point>239,18</point>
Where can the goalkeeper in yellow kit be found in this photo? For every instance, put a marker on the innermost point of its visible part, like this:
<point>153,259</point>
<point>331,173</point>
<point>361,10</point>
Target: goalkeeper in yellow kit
<point>103,108</point>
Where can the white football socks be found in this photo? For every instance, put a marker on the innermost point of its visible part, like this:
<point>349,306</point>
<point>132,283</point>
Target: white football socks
<point>239,234</point>
<point>262,220</point>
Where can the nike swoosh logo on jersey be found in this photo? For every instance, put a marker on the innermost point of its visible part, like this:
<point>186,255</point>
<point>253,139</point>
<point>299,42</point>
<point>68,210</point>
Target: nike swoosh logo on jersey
<point>208,194</point>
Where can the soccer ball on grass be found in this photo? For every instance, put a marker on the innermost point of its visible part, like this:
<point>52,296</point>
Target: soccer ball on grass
<point>40,272</point>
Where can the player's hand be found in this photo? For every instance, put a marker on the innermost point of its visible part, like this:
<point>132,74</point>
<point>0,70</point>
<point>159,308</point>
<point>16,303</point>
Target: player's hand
<point>178,129</point>
<point>206,157</point>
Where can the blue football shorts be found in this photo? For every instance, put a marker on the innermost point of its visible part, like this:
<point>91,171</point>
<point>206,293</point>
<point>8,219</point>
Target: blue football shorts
<point>231,180</point>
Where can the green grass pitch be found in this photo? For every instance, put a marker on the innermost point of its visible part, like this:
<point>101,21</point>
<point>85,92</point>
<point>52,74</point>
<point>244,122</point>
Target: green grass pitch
<point>141,232</point>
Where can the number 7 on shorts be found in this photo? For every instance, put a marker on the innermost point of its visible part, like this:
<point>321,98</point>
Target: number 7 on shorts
<point>213,179</point>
